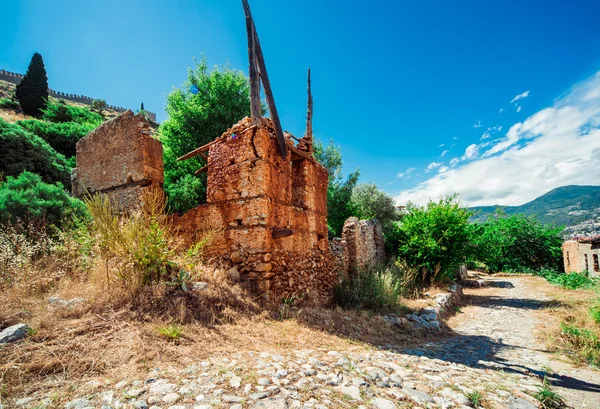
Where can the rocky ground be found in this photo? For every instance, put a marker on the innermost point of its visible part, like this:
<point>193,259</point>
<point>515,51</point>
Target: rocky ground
<point>493,359</point>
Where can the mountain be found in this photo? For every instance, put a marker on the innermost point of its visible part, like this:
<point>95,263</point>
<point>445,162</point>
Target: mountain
<point>564,206</point>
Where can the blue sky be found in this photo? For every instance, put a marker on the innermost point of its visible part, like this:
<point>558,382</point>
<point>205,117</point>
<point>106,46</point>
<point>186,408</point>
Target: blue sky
<point>393,81</point>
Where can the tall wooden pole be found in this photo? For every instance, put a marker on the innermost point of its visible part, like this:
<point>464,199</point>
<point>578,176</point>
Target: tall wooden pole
<point>309,114</point>
<point>253,71</point>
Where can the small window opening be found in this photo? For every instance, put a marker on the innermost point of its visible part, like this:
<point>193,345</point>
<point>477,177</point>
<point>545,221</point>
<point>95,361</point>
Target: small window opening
<point>587,266</point>
<point>596,265</point>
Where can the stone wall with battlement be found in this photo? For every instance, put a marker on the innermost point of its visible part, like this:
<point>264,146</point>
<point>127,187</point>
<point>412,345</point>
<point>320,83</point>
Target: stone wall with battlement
<point>15,78</point>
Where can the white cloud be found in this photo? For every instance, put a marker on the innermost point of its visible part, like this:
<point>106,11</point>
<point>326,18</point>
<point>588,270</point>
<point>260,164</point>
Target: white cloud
<point>518,108</point>
<point>520,96</point>
<point>406,173</point>
<point>477,124</point>
<point>485,135</point>
<point>441,145</point>
<point>557,146</point>
<point>432,166</point>
<point>471,152</point>
<point>455,138</point>
<point>443,169</point>
<point>444,153</point>
<point>501,110</point>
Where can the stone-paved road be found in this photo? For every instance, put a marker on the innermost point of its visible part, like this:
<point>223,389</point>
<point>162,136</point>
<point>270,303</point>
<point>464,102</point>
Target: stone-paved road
<point>497,330</point>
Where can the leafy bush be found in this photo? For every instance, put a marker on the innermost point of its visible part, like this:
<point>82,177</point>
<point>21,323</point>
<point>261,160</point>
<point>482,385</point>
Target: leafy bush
<point>570,281</point>
<point>517,243</point>
<point>32,91</point>
<point>28,198</point>
<point>436,238</point>
<point>548,398</point>
<point>59,111</point>
<point>61,136</point>
<point>595,312</point>
<point>196,118</point>
<point>172,332</point>
<point>372,289</point>
<point>7,103</point>
<point>23,151</point>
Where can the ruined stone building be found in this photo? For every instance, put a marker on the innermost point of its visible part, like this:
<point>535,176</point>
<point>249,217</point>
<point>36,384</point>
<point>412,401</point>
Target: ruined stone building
<point>119,158</point>
<point>582,254</point>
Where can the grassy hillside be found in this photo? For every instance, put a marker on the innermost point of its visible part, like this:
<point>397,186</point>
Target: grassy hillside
<point>563,206</point>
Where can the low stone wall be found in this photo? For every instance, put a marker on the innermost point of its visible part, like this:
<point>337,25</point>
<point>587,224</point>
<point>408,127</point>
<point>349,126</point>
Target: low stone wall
<point>361,245</point>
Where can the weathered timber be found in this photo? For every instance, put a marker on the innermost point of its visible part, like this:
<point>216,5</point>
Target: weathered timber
<point>255,113</point>
<point>278,232</point>
<point>197,151</point>
<point>202,169</point>
<point>297,154</point>
<point>309,115</point>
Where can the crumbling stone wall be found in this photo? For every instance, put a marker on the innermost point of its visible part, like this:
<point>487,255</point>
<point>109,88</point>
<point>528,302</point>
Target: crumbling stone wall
<point>361,244</point>
<point>119,158</point>
<point>274,211</point>
<point>581,255</point>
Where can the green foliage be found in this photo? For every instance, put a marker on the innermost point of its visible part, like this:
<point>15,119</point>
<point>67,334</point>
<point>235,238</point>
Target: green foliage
<point>518,242</point>
<point>172,332</point>
<point>373,289</point>
<point>585,342</point>
<point>98,106</point>
<point>595,312</point>
<point>435,238</point>
<point>548,398</point>
<point>339,192</point>
<point>570,281</point>
<point>475,399</point>
<point>60,111</point>
<point>372,203</point>
<point>23,151</point>
<point>7,103</point>
<point>61,136</point>
<point>32,91</point>
<point>28,198</point>
<point>196,119</point>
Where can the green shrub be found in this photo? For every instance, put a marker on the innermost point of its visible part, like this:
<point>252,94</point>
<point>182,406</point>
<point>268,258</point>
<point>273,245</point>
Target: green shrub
<point>548,398</point>
<point>61,136</point>
<point>595,312</point>
<point>373,289</point>
<point>570,281</point>
<point>518,243</point>
<point>28,198</point>
<point>172,332</point>
<point>436,238</point>
<point>59,111</point>
<point>585,342</point>
<point>22,151</point>
<point>194,120</point>
<point>7,103</point>
<point>32,91</point>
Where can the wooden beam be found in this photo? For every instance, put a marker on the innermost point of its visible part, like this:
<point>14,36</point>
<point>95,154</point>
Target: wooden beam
<point>202,169</point>
<point>197,151</point>
<point>309,115</point>
<point>301,154</point>
<point>255,111</point>
<point>281,232</point>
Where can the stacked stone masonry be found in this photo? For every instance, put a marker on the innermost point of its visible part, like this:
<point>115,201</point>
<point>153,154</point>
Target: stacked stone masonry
<point>582,255</point>
<point>119,158</point>
<point>361,245</point>
<point>274,211</point>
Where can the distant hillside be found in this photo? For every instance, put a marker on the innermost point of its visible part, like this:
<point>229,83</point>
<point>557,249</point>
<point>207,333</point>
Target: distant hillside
<point>563,206</point>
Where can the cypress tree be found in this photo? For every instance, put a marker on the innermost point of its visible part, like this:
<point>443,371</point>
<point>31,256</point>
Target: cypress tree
<point>32,91</point>
<point>142,107</point>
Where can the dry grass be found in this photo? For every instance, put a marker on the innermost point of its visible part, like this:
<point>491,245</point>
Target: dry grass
<point>113,337</point>
<point>12,116</point>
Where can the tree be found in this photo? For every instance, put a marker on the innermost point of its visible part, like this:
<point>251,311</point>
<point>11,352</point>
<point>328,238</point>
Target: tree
<point>205,106</point>
<point>371,202</point>
<point>98,106</point>
<point>518,243</point>
<point>32,91</point>
<point>339,192</point>
<point>436,238</point>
